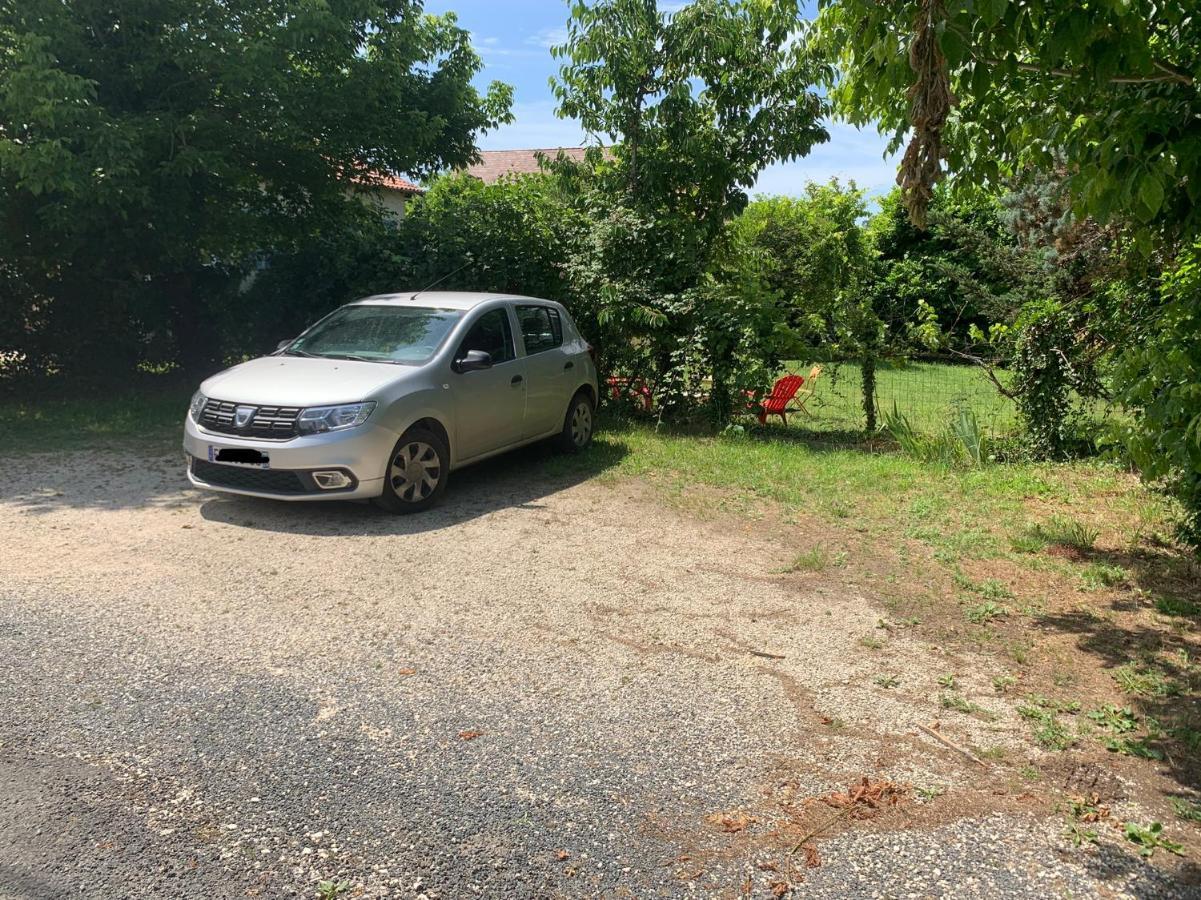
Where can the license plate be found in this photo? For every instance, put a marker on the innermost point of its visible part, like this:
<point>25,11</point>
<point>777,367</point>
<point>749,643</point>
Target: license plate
<point>241,456</point>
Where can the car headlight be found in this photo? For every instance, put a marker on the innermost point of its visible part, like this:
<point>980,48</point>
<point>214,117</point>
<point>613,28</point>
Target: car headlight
<point>197,405</point>
<point>319,419</point>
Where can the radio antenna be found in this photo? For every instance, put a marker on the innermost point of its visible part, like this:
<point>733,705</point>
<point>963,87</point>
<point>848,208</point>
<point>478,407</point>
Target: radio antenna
<point>438,281</point>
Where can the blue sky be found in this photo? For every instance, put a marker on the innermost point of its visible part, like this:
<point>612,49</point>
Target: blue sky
<point>514,36</point>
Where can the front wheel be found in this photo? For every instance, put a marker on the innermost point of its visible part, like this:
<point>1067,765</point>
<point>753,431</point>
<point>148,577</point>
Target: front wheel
<point>416,475</point>
<point>577,424</point>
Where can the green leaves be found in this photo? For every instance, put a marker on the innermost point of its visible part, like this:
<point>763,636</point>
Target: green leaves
<point>1150,194</point>
<point>1160,379</point>
<point>1150,838</point>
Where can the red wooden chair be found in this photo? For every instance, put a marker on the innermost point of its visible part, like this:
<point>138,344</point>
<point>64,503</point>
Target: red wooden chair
<point>776,403</point>
<point>636,391</point>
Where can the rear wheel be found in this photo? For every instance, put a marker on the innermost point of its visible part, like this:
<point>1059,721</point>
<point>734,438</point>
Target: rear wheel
<point>416,475</point>
<point>577,424</point>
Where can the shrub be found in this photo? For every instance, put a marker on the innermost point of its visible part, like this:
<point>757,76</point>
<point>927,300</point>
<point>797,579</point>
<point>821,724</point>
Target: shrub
<point>1044,377</point>
<point>1160,381</point>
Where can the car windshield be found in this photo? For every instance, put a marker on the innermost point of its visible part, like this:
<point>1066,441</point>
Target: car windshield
<point>407,335</point>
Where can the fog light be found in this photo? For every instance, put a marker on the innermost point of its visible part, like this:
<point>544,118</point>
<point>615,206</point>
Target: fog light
<point>331,480</point>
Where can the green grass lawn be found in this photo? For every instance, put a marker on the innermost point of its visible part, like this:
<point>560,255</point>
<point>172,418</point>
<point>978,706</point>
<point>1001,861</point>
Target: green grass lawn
<point>881,492</point>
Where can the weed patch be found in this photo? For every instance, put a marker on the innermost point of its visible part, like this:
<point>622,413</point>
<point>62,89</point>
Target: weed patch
<point>1064,532</point>
<point>1189,810</point>
<point>1049,732</point>
<point>813,560</point>
<point>1096,576</point>
<point>1144,682</point>
<point>983,613</point>
<point>1151,838</point>
<point>1176,606</point>
<point>959,704</point>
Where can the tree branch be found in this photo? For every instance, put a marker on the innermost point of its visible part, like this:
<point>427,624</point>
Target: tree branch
<point>1170,75</point>
<point>988,370</point>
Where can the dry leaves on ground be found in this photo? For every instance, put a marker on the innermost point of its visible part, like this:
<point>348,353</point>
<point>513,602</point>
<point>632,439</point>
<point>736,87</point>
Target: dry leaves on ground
<point>731,822</point>
<point>866,798</point>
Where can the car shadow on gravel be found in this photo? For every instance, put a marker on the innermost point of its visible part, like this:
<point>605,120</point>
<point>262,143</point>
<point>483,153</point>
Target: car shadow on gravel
<point>521,479</point>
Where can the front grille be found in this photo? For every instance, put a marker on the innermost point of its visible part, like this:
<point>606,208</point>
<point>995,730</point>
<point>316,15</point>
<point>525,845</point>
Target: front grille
<point>273,423</point>
<point>267,481</point>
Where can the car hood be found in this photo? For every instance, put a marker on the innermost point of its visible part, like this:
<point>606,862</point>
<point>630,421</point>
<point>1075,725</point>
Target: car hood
<point>300,381</point>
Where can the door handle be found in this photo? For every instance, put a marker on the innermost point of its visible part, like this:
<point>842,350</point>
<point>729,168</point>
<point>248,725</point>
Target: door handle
<point>517,379</point>
<point>569,365</point>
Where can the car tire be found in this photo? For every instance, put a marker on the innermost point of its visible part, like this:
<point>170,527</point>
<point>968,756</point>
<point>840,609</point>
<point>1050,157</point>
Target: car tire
<point>415,477</point>
<point>578,424</point>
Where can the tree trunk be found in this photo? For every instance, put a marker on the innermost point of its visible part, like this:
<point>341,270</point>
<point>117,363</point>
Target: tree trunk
<point>868,368</point>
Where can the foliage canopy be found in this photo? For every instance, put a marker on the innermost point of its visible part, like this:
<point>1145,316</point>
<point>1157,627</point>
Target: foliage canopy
<point>148,145</point>
<point>1109,87</point>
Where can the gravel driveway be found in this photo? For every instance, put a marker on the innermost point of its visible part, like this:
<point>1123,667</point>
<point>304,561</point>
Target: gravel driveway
<point>549,686</point>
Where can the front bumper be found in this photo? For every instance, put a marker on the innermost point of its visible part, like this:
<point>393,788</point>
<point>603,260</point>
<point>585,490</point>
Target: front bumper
<point>361,453</point>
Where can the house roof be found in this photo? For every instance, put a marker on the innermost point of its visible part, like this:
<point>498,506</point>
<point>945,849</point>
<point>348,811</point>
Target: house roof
<point>396,183</point>
<point>495,163</point>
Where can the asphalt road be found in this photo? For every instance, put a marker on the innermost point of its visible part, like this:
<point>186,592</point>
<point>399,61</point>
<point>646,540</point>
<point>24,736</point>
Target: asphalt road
<point>544,688</point>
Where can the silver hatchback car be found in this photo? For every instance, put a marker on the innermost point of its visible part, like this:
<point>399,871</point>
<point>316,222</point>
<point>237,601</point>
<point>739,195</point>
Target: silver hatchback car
<point>384,397</point>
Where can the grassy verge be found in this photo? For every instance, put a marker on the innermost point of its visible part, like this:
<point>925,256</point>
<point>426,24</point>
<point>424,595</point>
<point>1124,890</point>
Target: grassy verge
<point>928,394</point>
<point>45,420</point>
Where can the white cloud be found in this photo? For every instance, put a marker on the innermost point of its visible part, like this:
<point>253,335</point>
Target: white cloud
<point>548,37</point>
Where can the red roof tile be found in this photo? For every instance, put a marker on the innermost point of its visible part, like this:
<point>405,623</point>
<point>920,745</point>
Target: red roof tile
<point>396,183</point>
<point>495,163</point>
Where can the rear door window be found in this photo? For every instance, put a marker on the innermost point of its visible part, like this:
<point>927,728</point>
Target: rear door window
<point>541,328</point>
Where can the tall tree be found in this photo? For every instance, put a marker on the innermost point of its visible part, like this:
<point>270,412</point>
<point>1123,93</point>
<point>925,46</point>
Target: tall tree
<point>145,145</point>
<point>697,102</point>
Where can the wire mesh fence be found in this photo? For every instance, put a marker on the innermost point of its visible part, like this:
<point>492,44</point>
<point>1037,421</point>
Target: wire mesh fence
<point>929,392</point>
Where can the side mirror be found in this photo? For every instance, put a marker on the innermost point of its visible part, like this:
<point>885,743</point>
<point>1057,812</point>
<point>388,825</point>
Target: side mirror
<point>473,361</point>
<point>283,344</point>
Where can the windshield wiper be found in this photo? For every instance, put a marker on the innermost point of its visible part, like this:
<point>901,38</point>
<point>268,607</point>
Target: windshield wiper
<point>350,356</point>
<point>357,358</point>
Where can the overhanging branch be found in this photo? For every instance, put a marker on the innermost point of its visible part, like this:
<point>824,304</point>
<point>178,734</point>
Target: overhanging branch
<point>1169,76</point>
<point>988,370</point>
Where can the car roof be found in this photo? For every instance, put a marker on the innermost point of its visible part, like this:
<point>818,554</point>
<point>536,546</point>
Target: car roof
<point>442,299</point>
